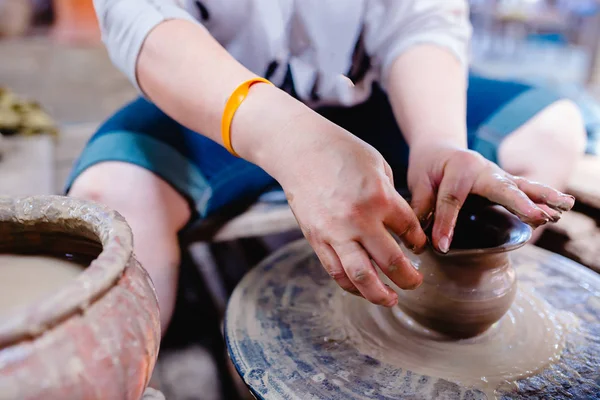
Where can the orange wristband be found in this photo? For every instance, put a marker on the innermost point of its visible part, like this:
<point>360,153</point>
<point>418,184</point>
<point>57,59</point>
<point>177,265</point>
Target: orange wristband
<point>233,103</point>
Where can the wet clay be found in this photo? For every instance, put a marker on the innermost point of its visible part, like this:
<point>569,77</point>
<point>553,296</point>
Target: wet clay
<point>293,334</point>
<point>468,322</point>
<point>529,337</point>
<point>469,288</point>
<point>461,296</point>
<point>27,278</point>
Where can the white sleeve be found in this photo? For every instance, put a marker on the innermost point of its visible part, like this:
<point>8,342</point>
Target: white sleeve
<point>393,26</point>
<point>125,24</point>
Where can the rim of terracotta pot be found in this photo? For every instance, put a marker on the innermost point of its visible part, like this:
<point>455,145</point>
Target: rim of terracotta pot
<point>71,215</point>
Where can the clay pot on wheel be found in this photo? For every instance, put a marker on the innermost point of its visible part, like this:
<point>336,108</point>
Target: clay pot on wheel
<point>471,287</point>
<point>97,337</point>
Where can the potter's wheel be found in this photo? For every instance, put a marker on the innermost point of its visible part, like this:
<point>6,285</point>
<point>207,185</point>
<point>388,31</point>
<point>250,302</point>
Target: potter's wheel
<point>287,341</point>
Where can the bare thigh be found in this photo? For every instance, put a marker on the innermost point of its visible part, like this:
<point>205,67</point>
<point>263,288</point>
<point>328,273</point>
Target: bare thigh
<point>547,147</point>
<point>156,213</point>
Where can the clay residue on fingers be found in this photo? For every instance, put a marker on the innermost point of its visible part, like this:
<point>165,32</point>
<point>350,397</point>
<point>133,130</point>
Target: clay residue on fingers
<point>535,221</point>
<point>567,204</point>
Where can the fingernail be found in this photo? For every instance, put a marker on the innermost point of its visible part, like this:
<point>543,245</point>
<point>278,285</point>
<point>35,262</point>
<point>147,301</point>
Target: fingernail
<point>537,224</point>
<point>415,249</point>
<point>425,220</point>
<point>547,216</point>
<point>444,244</point>
<point>554,215</point>
<point>415,286</point>
<point>419,250</point>
<point>392,303</point>
<point>568,203</point>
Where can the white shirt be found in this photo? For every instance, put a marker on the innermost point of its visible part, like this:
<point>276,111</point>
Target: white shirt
<point>327,44</point>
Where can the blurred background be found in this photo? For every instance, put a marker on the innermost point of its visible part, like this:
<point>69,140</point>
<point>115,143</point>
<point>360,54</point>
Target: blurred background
<point>51,55</point>
<point>57,85</point>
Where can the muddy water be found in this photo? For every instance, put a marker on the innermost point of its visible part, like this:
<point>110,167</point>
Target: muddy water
<point>25,279</point>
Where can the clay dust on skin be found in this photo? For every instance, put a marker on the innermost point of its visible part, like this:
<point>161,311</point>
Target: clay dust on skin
<point>526,340</point>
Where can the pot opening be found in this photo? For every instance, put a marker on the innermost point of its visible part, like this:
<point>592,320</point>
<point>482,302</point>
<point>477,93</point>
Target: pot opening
<point>482,225</point>
<point>77,243</point>
<point>91,238</point>
<point>38,259</point>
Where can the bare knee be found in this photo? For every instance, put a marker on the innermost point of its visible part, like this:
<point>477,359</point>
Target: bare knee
<point>563,126</point>
<point>132,190</point>
<point>155,212</point>
<point>547,147</point>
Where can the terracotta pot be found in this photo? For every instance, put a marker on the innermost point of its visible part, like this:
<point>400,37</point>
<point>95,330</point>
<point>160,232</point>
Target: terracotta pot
<point>471,287</point>
<point>76,22</point>
<point>98,336</point>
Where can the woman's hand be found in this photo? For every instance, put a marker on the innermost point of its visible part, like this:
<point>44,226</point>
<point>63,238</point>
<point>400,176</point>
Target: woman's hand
<point>342,193</point>
<point>441,176</point>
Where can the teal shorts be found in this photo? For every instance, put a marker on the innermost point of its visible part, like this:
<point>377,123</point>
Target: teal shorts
<point>211,179</point>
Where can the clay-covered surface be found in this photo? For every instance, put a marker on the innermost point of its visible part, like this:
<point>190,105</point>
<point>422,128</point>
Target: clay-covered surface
<point>283,350</point>
<point>98,337</point>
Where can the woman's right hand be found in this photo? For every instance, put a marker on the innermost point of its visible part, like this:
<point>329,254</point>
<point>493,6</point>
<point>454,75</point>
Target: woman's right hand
<point>339,188</point>
<point>342,193</point>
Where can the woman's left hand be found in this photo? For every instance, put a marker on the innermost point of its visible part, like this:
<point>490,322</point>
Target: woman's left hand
<point>441,176</point>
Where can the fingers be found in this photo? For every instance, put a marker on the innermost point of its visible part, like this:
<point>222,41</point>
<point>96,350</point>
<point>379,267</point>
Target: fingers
<point>362,274</point>
<point>501,190</point>
<point>454,189</point>
<point>389,257</point>
<point>554,214</point>
<point>542,194</point>
<point>403,222</point>
<point>423,201</point>
<point>331,263</point>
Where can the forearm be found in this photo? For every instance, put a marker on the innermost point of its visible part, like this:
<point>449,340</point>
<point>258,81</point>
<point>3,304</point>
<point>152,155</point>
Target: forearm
<point>427,90</point>
<point>187,74</point>
<point>193,86</point>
